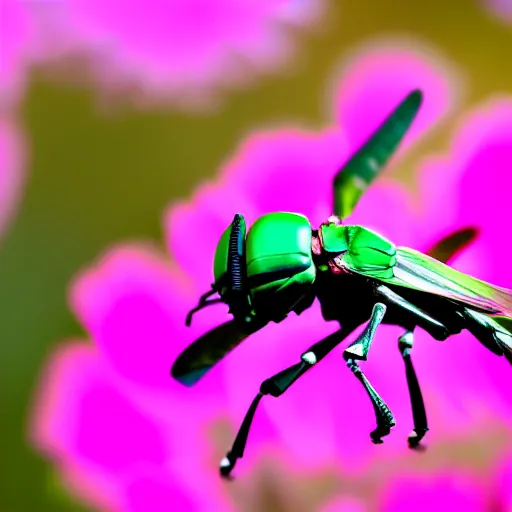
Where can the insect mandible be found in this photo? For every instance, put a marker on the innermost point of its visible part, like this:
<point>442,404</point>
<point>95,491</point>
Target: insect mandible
<point>359,277</point>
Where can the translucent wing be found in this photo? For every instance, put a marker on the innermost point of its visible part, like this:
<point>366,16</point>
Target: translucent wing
<point>364,166</point>
<point>446,248</point>
<point>193,363</point>
<point>418,271</point>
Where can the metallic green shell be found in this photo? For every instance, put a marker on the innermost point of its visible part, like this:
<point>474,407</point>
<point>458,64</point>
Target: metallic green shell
<point>277,241</point>
<point>280,268</point>
<point>279,249</point>
<point>364,250</point>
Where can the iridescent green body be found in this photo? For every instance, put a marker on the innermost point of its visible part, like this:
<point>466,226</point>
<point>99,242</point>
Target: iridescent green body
<point>364,250</point>
<point>281,269</point>
<point>283,264</point>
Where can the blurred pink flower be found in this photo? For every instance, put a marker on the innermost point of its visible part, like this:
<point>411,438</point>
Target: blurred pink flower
<point>16,32</point>
<point>117,443</point>
<point>500,8</point>
<point>126,436</point>
<point>443,492</point>
<point>176,49</point>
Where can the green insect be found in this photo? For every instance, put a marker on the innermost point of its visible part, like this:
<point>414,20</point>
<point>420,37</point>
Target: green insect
<point>359,277</point>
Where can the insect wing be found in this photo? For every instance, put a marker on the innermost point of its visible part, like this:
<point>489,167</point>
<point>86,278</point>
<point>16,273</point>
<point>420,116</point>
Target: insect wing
<point>418,271</point>
<point>199,357</point>
<point>446,248</point>
<point>365,165</point>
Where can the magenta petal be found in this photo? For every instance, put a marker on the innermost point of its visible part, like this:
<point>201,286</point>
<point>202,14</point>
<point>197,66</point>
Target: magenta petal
<point>16,30</point>
<point>483,165</point>
<point>501,9</point>
<point>131,302</point>
<point>85,421</point>
<point>183,49</point>
<point>154,489</point>
<point>439,197</point>
<point>459,189</point>
<point>193,229</point>
<point>288,170</point>
<point>83,415</point>
<point>149,493</point>
<point>502,496</point>
<point>378,78</point>
<point>344,504</point>
<point>442,492</point>
<point>134,305</point>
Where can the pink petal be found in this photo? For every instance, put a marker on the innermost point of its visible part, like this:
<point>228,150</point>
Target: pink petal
<point>288,170</point>
<point>94,429</point>
<point>344,504</point>
<point>501,9</point>
<point>134,304</point>
<point>483,150</point>
<point>86,423</point>
<point>16,29</point>
<point>182,48</point>
<point>442,492</point>
<point>502,496</point>
<point>12,171</point>
<point>378,77</point>
<point>193,229</point>
<point>461,185</point>
<point>150,493</point>
<point>153,489</point>
<point>438,199</point>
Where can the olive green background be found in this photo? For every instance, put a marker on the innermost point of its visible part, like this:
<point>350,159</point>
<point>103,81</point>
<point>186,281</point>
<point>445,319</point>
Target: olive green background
<point>98,178</point>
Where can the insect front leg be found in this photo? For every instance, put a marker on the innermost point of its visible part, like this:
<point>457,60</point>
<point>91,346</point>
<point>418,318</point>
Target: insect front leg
<point>358,350</point>
<point>405,343</point>
<point>275,386</point>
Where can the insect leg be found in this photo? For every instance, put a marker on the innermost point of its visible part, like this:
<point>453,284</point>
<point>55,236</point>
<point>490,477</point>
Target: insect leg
<point>203,302</point>
<point>405,343</point>
<point>359,351</point>
<point>275,386</point>
<point>435,328</point>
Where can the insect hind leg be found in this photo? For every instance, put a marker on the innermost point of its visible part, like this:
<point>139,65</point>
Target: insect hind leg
<point>275,386</point>
<point>358,350</point>
<point>405,344</point>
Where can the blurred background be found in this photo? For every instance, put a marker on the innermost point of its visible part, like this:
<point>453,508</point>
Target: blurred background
<point>105,123</point>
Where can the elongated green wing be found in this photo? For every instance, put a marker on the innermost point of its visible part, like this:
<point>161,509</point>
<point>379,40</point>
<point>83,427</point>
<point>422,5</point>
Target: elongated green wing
<point>364,166</point>
<point>199,357</point>
<point>446,248</point>
<point>420,272</point>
